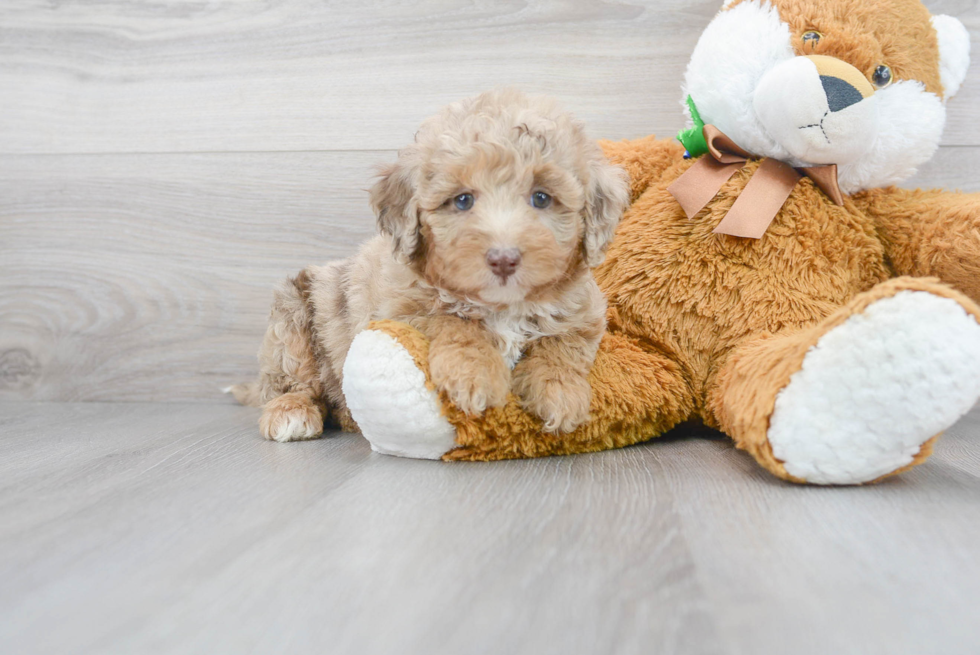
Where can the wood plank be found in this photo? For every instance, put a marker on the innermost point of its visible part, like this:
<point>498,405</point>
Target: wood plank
<point>175,528</point>
<point>953,168</point>
<point>876,569</point>
<point>169,76</point>
<point>958,445</point>
<point>148,277</point>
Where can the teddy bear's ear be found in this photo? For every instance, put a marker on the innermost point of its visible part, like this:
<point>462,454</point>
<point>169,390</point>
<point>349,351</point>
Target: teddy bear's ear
<point>954,53</point>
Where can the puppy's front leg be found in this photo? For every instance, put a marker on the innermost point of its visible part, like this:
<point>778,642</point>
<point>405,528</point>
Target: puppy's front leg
<point>552,380</point>
<point>465,363</point>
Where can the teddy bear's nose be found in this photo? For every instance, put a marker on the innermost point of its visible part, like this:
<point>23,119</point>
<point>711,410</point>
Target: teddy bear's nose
<point>840,94</point>
<point>843,84</point>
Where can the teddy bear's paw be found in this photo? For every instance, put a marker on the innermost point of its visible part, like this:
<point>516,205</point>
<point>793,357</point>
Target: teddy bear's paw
<point>562,406</point>
<point>473,380</point>
<point>874,389</point>
<point>291,417</point>
<point>387,396</point>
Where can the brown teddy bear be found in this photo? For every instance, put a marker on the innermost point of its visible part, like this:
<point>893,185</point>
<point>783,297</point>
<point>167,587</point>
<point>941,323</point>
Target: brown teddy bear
<point>770,282</point>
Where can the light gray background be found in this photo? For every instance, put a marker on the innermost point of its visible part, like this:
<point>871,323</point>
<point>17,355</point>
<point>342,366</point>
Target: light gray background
<point>164,163</point>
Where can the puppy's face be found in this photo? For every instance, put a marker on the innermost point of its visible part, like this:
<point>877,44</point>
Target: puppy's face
<point>500,219</point>
<point>500,199</point>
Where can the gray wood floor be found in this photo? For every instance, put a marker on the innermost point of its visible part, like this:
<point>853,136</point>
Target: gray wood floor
<point>154,528</point>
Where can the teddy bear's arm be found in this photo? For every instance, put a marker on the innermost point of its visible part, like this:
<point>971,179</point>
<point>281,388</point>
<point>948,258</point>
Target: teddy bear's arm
<point>637,394</point>
<point>929,233</point>
<point>644,159</point>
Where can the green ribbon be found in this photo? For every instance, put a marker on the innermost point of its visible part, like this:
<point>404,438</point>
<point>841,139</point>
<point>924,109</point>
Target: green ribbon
<point>693,138</point>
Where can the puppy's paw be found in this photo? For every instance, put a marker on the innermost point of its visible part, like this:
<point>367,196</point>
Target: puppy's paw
<point>473,379</point>
<point>561,404</point>
<point>291,417</point>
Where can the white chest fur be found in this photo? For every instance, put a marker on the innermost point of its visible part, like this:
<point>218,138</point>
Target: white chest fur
<point>515,326</point>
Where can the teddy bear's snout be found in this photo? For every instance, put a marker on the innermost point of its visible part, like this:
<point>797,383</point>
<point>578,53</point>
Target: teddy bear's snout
<point>820,109</point>
<point>843,84</point>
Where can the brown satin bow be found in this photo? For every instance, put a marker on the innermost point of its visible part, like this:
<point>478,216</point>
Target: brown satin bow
<point>763,196</point>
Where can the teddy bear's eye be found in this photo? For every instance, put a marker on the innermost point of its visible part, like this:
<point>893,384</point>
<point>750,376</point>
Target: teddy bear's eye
<point>812,38</point>
<point>882,76</point>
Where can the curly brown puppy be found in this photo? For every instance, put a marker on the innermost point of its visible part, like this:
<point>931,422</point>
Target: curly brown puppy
<point>489,225</point>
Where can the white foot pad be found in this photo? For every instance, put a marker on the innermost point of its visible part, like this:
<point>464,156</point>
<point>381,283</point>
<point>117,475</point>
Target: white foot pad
<point>874,389</point>
<point>386,394</point>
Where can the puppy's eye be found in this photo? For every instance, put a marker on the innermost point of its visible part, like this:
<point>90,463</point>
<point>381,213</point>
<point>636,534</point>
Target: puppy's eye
<point>882,76</point>
<point>540,199</point>
<point>463,202</point>
<point>812,38</point>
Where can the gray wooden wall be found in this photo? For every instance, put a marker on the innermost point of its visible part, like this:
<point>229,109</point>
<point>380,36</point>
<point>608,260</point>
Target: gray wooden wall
<point>163,164</point>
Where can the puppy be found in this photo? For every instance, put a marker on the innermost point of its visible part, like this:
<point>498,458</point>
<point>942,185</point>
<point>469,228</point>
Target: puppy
<point>489,224</point>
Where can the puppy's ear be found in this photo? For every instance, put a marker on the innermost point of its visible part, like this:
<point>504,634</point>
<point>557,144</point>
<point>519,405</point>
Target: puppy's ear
<point>394,203</point>
<point>606,198</point>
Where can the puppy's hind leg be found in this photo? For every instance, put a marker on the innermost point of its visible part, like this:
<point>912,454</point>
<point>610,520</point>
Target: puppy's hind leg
<point>289,387</point>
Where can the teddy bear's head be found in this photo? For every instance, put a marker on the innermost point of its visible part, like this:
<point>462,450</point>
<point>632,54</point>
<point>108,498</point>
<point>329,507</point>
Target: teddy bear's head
<point>857,83</point>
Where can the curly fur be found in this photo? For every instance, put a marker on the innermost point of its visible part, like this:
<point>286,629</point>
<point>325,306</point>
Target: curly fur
<point>429,268</point>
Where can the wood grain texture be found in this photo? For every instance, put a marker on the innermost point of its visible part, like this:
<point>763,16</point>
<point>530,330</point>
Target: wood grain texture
<point>826,556</point>
<point>149,277</point>
<point>136,528</point>
<point>267,75</point>
<point>238,139</point>
<point>953,168</point>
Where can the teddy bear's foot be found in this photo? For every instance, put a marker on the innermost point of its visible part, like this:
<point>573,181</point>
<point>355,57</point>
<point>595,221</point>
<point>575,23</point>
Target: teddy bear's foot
<point>873,390</point>
<point>388,394</point>
<point>861,395</point>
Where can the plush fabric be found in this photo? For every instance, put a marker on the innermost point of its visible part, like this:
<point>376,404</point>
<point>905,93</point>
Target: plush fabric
<point>835,348</point>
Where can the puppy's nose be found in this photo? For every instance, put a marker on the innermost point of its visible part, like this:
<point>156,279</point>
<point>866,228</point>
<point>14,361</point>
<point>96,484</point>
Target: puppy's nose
<point>503,261</point>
